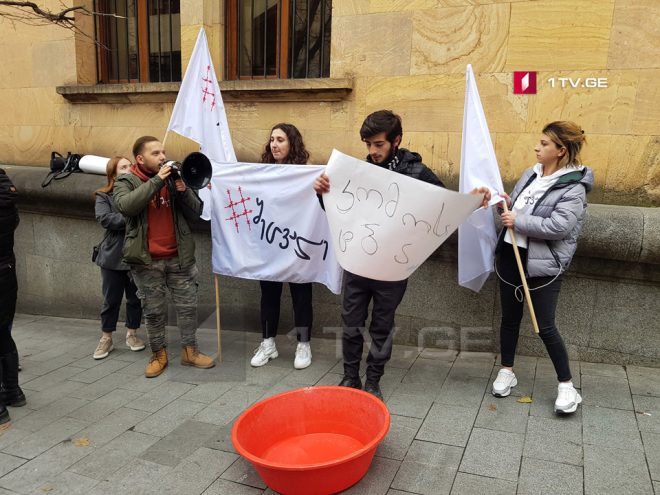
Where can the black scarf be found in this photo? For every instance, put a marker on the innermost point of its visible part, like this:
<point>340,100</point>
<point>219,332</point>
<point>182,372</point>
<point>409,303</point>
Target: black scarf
<point>391,163</point>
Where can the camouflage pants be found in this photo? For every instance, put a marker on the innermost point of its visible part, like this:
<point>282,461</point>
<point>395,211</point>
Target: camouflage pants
<point>153,282</point>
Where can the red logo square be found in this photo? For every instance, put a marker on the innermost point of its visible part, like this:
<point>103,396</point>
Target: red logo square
<point>524,83</point>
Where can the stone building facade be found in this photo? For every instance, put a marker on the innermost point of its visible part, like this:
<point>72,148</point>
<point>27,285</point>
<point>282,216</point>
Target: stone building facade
<point>408,56</point>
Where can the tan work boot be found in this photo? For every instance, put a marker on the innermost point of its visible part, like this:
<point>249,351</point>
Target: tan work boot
<point>190,356</point>
<point>157,364</point>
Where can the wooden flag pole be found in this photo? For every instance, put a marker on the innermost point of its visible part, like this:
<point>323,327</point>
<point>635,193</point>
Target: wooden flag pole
<point>217,315</point>
<point>165,138</point>
<point>521,270</point>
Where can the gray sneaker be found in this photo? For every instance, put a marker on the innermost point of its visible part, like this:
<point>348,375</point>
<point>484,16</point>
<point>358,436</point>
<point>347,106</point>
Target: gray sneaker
<point>104,348</point>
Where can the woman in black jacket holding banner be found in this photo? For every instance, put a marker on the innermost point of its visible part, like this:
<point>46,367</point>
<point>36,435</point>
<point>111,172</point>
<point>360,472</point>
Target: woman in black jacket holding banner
<point>285,146</point>
<point>115,274</point>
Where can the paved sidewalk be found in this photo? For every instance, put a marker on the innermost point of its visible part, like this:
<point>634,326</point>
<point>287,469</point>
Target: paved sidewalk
<point>101,427</point>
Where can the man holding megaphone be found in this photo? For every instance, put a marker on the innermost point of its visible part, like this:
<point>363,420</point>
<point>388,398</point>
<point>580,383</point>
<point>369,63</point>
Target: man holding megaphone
<point>160,250</point>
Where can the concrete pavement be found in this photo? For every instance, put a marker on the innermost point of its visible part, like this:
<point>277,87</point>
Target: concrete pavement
<point>101,427</point>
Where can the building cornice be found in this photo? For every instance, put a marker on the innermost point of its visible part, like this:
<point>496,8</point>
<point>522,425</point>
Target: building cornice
<point>263,90</point>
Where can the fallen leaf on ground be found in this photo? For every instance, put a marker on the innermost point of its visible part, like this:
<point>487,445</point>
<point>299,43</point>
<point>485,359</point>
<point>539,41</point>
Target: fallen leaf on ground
<point>492,407</point>
<point>47,488</point>
<point>525,400</point>
<point>81,442</point>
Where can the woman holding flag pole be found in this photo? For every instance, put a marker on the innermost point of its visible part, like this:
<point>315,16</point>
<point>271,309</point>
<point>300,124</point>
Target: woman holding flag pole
<point>548,206</point>
<point>285,146</point>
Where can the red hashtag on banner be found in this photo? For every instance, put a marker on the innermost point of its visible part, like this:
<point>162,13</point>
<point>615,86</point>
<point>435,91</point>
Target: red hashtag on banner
<point>205,90</point>
<point>235,216</point>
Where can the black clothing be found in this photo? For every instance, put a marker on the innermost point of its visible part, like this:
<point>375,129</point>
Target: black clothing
<point>114,284</point>
<point>351,381</point>
<point>545,303</point>
<point>114,225</point>
<point>409,163</point>
<point>8,295</point>
<point>10,393</point>
<point>8,283</point>
<point>374,389</point>
<point>358,293</point>
<point>8,220</point>
<point>301,295</point>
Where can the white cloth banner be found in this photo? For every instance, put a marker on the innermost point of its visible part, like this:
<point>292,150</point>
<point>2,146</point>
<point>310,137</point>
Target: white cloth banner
<point>384,224</point>
<point>199,112</point>
<point>477,237</point>
<point>267,224</point>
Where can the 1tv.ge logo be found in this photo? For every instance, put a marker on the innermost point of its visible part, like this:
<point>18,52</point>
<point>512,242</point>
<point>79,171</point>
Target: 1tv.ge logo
<point>524,83</point>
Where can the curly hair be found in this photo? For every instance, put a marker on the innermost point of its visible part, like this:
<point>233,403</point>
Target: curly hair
<point>298,154</point>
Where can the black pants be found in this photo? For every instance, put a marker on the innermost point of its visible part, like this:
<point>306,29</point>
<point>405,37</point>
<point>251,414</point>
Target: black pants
<point>8,295</point>
<point>301,295</point>
<point>114,284</point>
<point>358,293</point>
<point>545,303</point>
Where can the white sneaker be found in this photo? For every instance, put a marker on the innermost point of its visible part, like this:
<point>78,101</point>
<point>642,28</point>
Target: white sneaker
<point>303,356</point>
<point>265,352</point>
<point>567,398</point>
<point>504,382</point>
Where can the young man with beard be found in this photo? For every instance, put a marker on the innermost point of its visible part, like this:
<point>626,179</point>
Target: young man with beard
<point>381,132</point>
<point>160,250</point>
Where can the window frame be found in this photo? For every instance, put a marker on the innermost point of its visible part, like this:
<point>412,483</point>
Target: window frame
<point>142,26</point>
<point>232,39</point>
<point>142,37</point>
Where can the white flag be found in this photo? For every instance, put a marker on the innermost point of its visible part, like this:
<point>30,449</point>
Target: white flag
<point>267,224</point>
<point>199,113</point>
<point>477,236</point>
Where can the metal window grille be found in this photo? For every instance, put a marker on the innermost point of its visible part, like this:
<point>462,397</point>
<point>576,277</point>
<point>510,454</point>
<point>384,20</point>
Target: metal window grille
<point>278,38</point>
<point>310,38</point>
<point>139,41</point>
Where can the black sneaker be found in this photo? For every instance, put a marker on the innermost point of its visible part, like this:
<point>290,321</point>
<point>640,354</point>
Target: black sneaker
<point>4,414</point>
<point>374,389</point>
<point>14,398</point>
<point>350,381</point>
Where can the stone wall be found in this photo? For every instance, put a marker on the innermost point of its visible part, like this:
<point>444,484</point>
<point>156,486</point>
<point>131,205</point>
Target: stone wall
<point>608,310</point>
<point>408,56</point>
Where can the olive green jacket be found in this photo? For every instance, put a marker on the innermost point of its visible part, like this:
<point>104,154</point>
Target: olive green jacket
<point>132,197</point>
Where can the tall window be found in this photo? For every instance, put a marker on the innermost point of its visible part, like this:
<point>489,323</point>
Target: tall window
<point>139,41</point>
<point>278,39</point>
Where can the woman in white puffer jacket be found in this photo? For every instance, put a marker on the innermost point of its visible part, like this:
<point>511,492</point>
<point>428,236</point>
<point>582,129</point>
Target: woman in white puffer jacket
<point>548,207</point>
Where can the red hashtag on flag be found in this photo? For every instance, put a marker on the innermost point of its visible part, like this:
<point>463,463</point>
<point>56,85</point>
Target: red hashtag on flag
<point>235,216</point>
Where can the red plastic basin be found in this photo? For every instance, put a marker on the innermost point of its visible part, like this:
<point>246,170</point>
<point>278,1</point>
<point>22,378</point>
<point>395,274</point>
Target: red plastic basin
<point>314,440</point>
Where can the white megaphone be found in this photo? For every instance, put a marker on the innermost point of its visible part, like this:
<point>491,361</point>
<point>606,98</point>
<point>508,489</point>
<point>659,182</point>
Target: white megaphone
<point>93,164</point>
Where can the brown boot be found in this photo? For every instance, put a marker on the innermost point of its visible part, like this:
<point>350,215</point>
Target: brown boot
<point>190,356</point>
<point>157,364</point>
